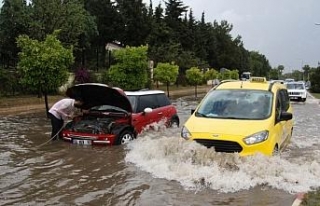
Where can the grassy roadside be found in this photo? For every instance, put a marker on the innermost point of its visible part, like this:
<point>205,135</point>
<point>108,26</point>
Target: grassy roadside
<point>19,101</point>
<point>311,199</point>
<point>16,101</point>
<point>316,95</point>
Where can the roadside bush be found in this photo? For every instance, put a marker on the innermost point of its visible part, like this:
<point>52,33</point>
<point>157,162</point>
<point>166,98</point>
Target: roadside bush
<point>9,82</point>
<point>311,198</point>
<point>315,79</point>
<point>105,77</point>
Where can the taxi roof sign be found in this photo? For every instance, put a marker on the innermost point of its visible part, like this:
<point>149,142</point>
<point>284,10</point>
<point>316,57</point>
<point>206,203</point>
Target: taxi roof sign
<point>258,79</point>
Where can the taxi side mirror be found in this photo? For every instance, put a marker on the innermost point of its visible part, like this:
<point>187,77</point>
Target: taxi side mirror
<point>285,116</point>
<point>192,111</point>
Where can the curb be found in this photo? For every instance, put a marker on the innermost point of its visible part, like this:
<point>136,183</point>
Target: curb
<point>298,200</point>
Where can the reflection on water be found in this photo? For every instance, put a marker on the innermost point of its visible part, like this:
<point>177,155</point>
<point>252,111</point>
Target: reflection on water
<point>159,168</point>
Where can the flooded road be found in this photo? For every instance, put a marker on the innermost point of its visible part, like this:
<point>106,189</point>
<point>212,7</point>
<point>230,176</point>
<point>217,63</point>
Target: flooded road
<point>158,168</point>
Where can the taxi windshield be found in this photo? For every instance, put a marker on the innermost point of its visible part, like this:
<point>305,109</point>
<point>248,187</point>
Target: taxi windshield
<point>236,104</point>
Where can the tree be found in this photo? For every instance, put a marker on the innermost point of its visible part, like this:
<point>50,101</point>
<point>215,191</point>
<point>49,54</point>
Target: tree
<point>274,73</point>
<point>280,71</point>
<point>167,73</point>
<point>259,65</point>
<point>107,19</point>
<point>234,74</point>
<point>306,70</point>
<point>43,66</point>
<point>173,13</point>
<point>194,77</point>
<point>14,18</point>
<point>134,21</point>
<point>130,71</point>
<point>211,74</point>
<point>50,15</point>
<point>225,74</point>
<point>315,80</point>
<point>297,75</point>
<point>161,47</point>
<point>9,82</point>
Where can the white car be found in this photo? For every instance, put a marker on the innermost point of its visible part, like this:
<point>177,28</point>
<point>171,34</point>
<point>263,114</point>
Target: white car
<point>297,91</point>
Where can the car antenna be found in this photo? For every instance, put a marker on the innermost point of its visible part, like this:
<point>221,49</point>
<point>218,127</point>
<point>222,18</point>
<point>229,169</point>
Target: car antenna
<point>241,85</point>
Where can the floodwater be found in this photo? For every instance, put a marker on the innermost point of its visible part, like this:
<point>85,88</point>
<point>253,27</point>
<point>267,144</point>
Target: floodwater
<point>158,168</point>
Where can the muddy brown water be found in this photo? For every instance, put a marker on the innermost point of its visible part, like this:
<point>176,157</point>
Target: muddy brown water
<point>60,173</point>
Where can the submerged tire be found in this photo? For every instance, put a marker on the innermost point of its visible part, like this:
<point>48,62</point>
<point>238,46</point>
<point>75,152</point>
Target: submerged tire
<point>174,122</point>
<point>275,151</point>
<point>125,137</point>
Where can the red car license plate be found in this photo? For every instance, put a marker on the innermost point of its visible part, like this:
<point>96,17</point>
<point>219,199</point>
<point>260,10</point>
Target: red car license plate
<point>82,141</point>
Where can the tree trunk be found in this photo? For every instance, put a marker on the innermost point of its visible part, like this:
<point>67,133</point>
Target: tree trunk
<point>168,89</point>
<point>46,103</point>
<point>97,58</point>
<point>195,91</point>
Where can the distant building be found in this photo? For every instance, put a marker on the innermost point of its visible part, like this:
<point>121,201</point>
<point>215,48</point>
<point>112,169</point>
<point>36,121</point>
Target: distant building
<point>113,46</point>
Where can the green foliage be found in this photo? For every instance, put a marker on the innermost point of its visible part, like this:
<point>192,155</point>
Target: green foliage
<point>43,66</point>
<point>9,82</point>
<point>297,75</point>
<point>306,71</point>
<point>130,71</point>
<point>274,74</point>
<point>315,80</point>
<point>14,20</point>
<point>186,60</point>
<point>312,198</point>
<point>211,74</point>
<point>194,76</point>
<point>167,52</point>
<point>166,73</point>
<point>134,21</point>
<point>234,74</point>
<point>259,65</point>
<point>280,68</point>
<point>69,17</point>
<point>226,74</point>
<point>170,30</point>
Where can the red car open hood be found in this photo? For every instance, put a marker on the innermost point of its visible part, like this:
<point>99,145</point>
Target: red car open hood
<point>95,94</point>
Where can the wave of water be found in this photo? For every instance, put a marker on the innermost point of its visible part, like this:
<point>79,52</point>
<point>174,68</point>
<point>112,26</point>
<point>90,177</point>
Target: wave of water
<point>195,167</point>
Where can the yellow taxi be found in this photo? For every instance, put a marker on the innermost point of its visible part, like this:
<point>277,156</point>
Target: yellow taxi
<point>245,117</point>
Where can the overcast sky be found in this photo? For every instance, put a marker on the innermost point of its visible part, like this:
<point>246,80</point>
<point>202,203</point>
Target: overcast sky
<point>283,30</point>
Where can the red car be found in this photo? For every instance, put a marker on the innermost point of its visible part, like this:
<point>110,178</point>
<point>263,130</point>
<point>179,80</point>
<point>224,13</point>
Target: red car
<point>115,116</point>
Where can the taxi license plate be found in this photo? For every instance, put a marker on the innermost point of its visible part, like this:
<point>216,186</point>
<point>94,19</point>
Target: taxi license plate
<point>82,141</point>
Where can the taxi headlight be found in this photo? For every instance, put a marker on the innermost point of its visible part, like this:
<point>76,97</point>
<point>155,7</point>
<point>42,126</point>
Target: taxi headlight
<point>256,138</point>
<point>185,134</point>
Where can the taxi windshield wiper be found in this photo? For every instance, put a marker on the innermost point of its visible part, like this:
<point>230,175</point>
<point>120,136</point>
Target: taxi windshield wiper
<point>198,114</point>
<point>232,117</point>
